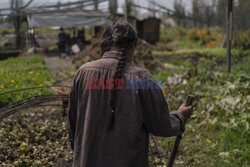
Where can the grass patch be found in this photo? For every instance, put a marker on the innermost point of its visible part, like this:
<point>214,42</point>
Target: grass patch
<point>188,44</point>
<point>53,48</point>
<point>171,34</point>
<point>5,31</point>
<point>216,52</point>
<point>184,63</point>
<point>16,73</point>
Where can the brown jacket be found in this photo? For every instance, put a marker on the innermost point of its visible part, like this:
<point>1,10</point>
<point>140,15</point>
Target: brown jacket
<point>139,112</point>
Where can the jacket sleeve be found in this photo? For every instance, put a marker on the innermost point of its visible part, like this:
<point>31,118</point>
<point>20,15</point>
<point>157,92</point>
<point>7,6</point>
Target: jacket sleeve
<point>157,118</point>
<point>72,113</point>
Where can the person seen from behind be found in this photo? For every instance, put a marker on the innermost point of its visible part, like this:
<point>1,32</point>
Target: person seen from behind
<point>62,40</point>
<point>109,117</point>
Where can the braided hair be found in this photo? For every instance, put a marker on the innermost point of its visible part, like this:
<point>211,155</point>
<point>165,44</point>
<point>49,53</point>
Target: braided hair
<point>121,35</point>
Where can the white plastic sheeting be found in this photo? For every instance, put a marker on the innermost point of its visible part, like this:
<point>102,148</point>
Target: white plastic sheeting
<point>65,19</point>
<point>68,20</point>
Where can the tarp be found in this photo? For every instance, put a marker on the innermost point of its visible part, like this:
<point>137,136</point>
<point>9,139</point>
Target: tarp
<point>68,20</point>
<point>64,19</point>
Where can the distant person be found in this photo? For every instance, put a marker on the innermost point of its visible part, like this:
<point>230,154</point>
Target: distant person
<point>111,113</point>
<point>32,38</point>
<point>81,35</point>
<point>62,40</point>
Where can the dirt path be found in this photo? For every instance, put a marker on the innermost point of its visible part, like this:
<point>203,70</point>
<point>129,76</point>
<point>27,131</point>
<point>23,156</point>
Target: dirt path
<point>59,68</point>
<point>57,64</point>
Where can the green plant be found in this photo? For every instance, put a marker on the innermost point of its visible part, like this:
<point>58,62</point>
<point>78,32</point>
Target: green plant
<point>16,73</point>
<point>241,39</point>
<point>171,33</point>
<point>218,132</point>
<point>5,31</point>
<point>53,48</point>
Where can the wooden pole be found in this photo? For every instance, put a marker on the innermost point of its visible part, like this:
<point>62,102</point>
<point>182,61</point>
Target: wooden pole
<point>58,5</point>
<point>229,33</point>
<point>126,9</point>
<point>34,40</point>
<point>96,4</point>
<point>96,28</point>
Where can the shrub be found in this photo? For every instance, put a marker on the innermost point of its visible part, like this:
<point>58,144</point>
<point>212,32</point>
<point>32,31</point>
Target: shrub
<point>172,33</point>
<point>5,31</point>
<point>208,37</point>
<point>241,39</point>
<point>193,35</point>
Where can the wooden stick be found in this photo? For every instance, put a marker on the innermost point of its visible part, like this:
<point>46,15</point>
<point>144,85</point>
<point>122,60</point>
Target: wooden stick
<point>229,33</point>
<point>178,138</point>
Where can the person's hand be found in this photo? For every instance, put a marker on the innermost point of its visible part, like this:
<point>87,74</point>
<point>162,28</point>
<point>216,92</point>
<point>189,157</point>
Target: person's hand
<point>186,112</point>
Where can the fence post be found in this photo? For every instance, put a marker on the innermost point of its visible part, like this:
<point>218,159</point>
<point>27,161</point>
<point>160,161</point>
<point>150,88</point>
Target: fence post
<point>229,33</point>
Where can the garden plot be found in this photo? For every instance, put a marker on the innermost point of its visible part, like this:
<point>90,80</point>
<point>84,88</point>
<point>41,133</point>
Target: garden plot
<point>217,134</point>
<point>38,135</point>
<point>23,72</point>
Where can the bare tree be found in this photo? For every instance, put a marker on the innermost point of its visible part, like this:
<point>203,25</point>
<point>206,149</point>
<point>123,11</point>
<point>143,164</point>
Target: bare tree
<point>179,12</point>
<point>19,21</point>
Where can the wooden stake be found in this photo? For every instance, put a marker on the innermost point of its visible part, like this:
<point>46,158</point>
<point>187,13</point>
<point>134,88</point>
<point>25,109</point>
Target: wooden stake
<point>126,9</point>
<point>96,4</point>
<point>229,33</point>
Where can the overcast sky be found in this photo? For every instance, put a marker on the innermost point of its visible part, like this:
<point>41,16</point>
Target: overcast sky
<point>167,3</point>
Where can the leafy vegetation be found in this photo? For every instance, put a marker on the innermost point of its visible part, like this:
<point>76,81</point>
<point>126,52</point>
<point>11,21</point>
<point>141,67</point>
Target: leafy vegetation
<point>192,38</point>
<point>25,72</point>
<point>35,138</point>
<point>203,38</point>
<point>241,39</point>
<point>216,53</point>
<point>172,33</point>
<point>218,133</point>
<point>44,31</point>
<point>4,31</point>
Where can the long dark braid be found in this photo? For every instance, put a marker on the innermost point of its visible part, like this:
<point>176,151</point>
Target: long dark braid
<point>120,35</point>
<point>118,75</point>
